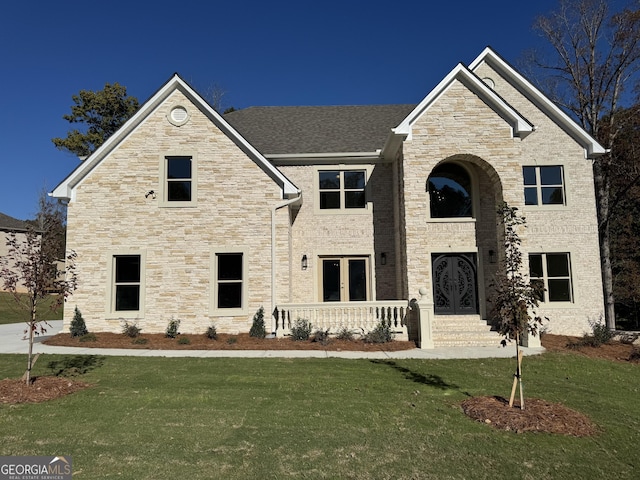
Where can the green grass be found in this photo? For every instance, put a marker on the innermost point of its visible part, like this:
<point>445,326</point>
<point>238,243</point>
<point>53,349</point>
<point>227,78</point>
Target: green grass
<point>167,418</point>
<point>10,311</point>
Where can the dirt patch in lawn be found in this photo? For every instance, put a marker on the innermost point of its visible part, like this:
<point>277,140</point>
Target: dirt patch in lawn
<point>243,341</point>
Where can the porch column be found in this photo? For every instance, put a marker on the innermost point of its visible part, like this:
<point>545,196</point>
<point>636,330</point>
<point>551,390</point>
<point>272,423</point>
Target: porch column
<point>424,311</point>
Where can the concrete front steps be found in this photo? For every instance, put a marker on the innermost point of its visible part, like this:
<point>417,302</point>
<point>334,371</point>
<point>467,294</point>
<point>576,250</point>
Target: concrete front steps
<point>463,331</point>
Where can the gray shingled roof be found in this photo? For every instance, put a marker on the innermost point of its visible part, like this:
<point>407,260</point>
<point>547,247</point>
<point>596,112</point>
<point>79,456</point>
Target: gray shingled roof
<point>10,223</point>
<point>322,129</point>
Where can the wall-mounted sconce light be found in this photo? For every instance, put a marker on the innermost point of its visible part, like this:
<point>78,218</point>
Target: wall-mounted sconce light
<point>383,258</point>
<point>151,193</point>
<point>492,256</point>
<point>304,263</point>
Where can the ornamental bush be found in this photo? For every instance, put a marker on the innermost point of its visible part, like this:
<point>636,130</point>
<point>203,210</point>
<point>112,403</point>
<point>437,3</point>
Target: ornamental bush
<point>78,328</point>
<point>257,328</point>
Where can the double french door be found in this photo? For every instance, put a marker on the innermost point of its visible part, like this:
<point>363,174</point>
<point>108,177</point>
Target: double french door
<point>345,279</point>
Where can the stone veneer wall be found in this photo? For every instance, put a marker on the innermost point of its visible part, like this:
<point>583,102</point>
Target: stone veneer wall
<point>366,232</point>
<point>461,126</point>
<point>111,215</point>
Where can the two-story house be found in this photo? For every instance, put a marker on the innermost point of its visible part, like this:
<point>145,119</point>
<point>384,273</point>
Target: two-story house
<point>341,215</point>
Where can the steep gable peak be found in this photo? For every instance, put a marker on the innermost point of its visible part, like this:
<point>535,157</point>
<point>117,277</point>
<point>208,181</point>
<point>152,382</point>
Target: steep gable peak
<point>526,88</point>
<point>65,190</point>
<point>520,126</point>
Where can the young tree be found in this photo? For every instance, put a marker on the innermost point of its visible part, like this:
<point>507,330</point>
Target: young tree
<point>33,261</point>
<point>595,56</point>
<point>102,112</point>
<point>515,298</point>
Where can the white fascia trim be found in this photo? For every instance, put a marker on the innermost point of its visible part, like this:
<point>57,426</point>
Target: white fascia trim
<point>592,147</point>
<point>65,189</point>
<point>520,125</point>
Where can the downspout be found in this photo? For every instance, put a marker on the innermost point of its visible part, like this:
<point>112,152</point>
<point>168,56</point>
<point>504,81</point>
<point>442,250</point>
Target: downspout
<point>276,207</point>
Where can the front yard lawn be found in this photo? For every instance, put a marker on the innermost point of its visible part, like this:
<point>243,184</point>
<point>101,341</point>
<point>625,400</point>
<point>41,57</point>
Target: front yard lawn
<point>11,313</point>
<point>168,418</point>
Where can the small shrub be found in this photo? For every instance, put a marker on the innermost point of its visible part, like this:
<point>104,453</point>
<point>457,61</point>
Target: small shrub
<point>380,334</point>
<point>232,340</point>
<point>600,335</point>
<point>78,328</point>
<point>257,328</point>
<point>634,356</point>
<point>140,341</point>
<point>345,334</point>
<point>301,330</point>
<point>184,341</point>
<point>212,333</point>
<point>321,336</point>
<point>130,329</point>
<point>89,337</point>
<point>172,328</point>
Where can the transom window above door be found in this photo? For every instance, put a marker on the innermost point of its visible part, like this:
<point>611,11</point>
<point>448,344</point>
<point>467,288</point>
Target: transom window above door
<point>449,188</point>
<point>342,189</point>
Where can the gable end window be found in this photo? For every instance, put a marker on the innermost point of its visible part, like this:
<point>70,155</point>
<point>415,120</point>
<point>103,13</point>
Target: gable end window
<point>178,180</point>
<point>552,272</point>
<point>342,189</point>
<point>544,185</point>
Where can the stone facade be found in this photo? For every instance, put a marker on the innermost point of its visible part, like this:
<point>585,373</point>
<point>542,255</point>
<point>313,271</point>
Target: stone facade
<point>244,204</point>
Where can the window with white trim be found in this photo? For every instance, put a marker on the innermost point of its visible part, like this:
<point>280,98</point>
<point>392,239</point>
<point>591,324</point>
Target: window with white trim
<point>342,189</point>
<point>552,273</point>
<point>544,185</point>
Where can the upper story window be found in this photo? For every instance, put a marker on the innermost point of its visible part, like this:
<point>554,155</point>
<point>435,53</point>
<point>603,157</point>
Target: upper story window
<point>551,272</point>
<point>179,179</point>
<point>179,186</point>
<point>450,191</point>
<point>543,185</point>
<point>342,189</point>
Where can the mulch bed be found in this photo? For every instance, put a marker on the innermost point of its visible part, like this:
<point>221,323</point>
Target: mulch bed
<point>242,341</point>
<point>41,389</point>
<point>537,416</point>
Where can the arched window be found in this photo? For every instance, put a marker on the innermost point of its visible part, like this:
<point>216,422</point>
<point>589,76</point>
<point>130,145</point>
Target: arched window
<point>450,191</point>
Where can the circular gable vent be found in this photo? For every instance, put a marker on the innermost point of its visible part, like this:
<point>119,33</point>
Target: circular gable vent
<point>178,115</point>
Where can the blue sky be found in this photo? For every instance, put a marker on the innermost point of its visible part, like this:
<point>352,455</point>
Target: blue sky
<point>261,52</point>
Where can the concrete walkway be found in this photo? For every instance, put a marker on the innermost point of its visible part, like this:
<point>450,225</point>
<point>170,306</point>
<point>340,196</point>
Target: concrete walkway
<point>12,341</point>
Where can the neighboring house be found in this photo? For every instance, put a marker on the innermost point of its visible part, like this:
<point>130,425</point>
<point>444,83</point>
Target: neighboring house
<point>340,214</point>
<point>9,226</point>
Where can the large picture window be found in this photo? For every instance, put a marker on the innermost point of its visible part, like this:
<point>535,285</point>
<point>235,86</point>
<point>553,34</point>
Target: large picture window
<point>552,272</point>
<point>543,185</point>
<point>342,189</point>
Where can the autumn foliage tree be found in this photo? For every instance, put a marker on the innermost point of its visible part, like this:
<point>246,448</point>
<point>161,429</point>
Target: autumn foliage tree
<point>33,263</point>
<point>595,59</point>
<point>514,298</point>
<point>102,113</point>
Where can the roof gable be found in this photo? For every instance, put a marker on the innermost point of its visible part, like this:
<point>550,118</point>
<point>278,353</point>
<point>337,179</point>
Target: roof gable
<point>520,126</point>
<point>526,88</point>
<point>66,187</point>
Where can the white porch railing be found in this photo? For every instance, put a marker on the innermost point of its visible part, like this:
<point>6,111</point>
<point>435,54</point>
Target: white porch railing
<point>356,316</point>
